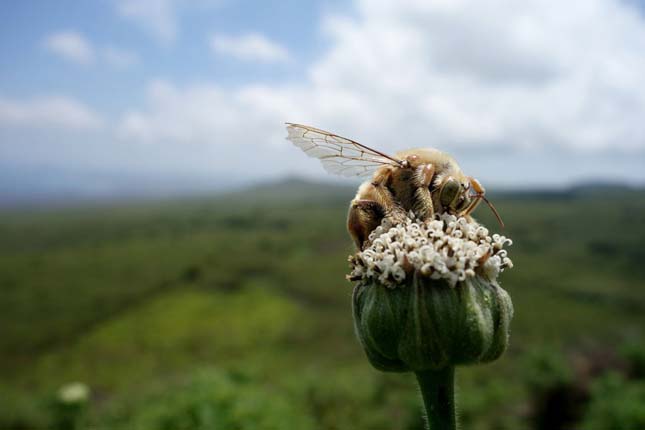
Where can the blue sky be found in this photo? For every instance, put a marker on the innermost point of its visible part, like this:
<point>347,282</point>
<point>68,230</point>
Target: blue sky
<point>111,95</point>
<point>29,69</point>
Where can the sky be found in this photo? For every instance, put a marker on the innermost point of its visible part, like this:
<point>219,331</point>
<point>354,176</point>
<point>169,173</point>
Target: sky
<point>106,96</point>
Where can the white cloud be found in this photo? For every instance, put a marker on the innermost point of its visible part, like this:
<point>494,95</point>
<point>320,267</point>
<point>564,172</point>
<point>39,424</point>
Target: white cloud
<point>160,18</point>
<point>213,130</point>
<point>120,58</point>
<point>156,16</point>
<point>203,115</point>
<point>49,112</point>
<point>493,72</point>
<point>71,46</point>
<point>249,47</point>
<point>490,80</point>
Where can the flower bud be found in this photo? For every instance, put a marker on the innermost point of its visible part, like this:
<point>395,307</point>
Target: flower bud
<point>427,295</point>
<point>427,324</point>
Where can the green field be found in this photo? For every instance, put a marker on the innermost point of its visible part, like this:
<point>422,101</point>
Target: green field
<point>232,312</point>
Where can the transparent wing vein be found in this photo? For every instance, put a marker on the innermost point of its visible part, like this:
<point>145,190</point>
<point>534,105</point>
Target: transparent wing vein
<point>339,156</point>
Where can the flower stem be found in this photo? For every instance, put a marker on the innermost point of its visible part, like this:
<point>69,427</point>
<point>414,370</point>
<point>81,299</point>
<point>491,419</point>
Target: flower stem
<point>438,391</point>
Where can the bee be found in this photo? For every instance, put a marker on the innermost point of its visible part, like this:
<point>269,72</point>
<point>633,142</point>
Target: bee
<point>425,181</point>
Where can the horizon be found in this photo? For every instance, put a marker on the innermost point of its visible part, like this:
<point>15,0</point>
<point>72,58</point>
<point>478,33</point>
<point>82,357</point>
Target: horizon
<point>68,199</point>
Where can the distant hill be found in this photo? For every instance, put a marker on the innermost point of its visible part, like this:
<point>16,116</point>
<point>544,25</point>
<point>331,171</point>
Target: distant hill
<point>603,188</point>
<point>45,186</point>
<point>289,189</point>
<point>577,191</point>
<point>293,189</point>
<point>298,189</point>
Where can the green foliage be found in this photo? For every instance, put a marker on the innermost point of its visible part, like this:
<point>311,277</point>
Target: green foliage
<point>486,393</point>
<point>214,400</point>
<point>131,299</point>
<point>20,409</point>
<point>175,330</point>
<point>546,369</point>
<point>634,353</point>
<point>68,416</point>
<point>616,404</point>
<point>359,397</point>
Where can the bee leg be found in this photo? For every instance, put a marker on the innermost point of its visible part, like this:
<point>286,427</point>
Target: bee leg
<point>363,217</point>
<point>379,190</point>
<point>423,206</point>
<point>396,215</point>
<point>477,198</point>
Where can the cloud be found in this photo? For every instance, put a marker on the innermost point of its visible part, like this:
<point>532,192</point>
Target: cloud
<point>155,16</point>
<point>543,83</point>
<point>160,18</point>
<point>210,130</point>
<point>71,46</point>
<point>120,58</point>
<point>249,47</point>
<point>56,112</point>
<point>459,74</point>
<point>208,114</point>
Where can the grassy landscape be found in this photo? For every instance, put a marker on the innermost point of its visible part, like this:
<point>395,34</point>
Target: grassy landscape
<point>232,312</point>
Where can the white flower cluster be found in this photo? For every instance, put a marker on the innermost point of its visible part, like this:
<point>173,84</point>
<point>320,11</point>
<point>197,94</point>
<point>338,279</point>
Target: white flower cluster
<point>75,392</point>
<point>446,247</point>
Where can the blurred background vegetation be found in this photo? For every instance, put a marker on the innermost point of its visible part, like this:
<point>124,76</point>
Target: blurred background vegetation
<point>232,312</point>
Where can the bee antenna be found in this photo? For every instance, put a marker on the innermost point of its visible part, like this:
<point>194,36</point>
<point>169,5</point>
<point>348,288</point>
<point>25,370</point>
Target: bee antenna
<point>490,205</point>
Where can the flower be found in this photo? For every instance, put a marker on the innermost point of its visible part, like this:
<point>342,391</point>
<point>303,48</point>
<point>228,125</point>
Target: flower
<point>427,296</point>
<point>446,247</point>
<point>73,393</point>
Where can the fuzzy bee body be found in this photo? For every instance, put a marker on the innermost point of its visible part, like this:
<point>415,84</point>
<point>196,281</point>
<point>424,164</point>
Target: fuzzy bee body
<point>429,181</point>
<point>425,181</point>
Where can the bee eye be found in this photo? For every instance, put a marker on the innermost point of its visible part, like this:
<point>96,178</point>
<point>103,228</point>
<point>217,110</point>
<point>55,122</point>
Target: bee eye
<point>449,193</point>
<point>463,203</point>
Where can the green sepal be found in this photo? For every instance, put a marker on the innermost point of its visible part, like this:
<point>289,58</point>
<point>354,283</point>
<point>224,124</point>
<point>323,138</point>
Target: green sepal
<point>426,324</point>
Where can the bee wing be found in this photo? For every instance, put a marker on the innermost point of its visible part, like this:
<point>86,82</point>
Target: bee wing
<point>339,156</point>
